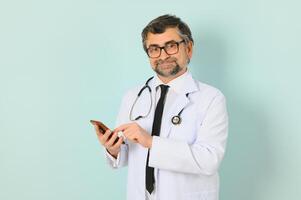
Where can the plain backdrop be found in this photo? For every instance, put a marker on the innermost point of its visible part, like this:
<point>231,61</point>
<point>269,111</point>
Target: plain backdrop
<point>65,62</point>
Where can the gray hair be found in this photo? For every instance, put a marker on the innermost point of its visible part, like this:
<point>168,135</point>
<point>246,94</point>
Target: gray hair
<point>161,23</point>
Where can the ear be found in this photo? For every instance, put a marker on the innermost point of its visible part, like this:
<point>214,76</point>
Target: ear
<point>189,49</point>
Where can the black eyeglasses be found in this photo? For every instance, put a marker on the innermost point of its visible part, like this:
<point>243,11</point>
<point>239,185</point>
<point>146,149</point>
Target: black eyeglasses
<point>170,48</point>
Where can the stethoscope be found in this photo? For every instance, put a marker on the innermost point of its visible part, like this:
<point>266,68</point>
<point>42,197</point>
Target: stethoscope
<point>176,120</point>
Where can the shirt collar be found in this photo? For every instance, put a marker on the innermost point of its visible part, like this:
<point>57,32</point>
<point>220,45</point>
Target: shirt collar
<point>175,84</point>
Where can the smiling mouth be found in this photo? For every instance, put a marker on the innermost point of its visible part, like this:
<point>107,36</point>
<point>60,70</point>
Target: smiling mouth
<point>166,64</point>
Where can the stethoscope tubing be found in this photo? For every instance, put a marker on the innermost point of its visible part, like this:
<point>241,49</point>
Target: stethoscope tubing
<point>176,120</point>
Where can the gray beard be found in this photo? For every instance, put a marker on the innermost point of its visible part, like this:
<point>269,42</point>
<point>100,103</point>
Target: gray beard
<point>175,70</point>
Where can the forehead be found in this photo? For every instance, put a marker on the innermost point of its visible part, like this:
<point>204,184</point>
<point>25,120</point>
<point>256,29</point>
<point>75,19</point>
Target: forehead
<point>161,38</point>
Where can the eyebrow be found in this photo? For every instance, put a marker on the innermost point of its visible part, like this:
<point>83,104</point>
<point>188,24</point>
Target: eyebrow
<point>151,45</point>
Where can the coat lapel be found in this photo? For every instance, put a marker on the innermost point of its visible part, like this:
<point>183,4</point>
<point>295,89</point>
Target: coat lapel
<point>180,102</point>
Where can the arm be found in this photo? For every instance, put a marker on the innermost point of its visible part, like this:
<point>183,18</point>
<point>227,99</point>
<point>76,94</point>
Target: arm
<point>120,158</point>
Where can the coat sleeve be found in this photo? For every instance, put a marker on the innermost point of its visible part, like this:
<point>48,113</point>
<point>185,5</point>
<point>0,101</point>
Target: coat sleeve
<point>122,117</point>
<point>205,154</point>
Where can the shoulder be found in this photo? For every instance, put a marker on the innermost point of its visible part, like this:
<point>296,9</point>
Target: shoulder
<point>209,89</point>
<point>208,92</point>
<point>131,93</point>
<point>138,88</point>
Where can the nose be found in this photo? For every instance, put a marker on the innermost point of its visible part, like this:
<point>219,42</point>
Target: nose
<point>163,54</point>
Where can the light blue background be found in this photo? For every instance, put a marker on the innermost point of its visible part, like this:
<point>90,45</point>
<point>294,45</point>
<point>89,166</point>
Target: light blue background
<point>66,62</point>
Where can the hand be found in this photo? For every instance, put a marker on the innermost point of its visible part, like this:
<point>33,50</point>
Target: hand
<point>135,133</point>
<point>107,140</point>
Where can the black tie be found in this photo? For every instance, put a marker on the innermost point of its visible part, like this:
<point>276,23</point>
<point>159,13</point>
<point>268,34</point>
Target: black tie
<point>149,173</point>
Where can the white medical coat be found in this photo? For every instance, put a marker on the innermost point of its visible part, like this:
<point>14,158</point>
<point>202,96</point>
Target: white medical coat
<point>186,157</point>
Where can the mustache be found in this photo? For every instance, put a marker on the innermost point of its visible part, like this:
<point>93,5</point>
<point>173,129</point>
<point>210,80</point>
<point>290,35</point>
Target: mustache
<point>167,60</point>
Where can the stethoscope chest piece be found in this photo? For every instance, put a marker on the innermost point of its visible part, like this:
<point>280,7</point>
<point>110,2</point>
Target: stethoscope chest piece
<point>176,120</point>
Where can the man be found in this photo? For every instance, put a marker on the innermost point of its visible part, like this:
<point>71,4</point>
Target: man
<point>176,129</point>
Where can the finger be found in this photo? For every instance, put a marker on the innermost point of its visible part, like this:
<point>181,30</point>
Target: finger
<point>99,135</point>
<point>97,130</point>
<point>118,143</point>
<point>122,127</point>
<point>132,140</point>
<point>112,139</point>
<point>128,132</point>
<point>132,136</point>
<point>104,138</point>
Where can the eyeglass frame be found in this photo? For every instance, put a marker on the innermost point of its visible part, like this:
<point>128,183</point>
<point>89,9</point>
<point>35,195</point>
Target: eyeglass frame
<point>163,47</point>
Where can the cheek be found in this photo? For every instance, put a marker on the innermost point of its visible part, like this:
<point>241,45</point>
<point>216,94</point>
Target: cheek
<point>185,56</point>
<point>182,60</point>
<point>152,63</point>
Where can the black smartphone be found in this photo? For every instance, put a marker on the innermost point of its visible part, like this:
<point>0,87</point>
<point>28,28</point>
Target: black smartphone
<point>103,128</point>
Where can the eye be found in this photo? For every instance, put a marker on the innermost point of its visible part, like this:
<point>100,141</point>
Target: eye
<point>153,49</point>
<point>171,45</point>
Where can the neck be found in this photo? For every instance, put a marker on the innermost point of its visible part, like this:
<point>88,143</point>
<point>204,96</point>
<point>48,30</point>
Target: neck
<point>166,80</point>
